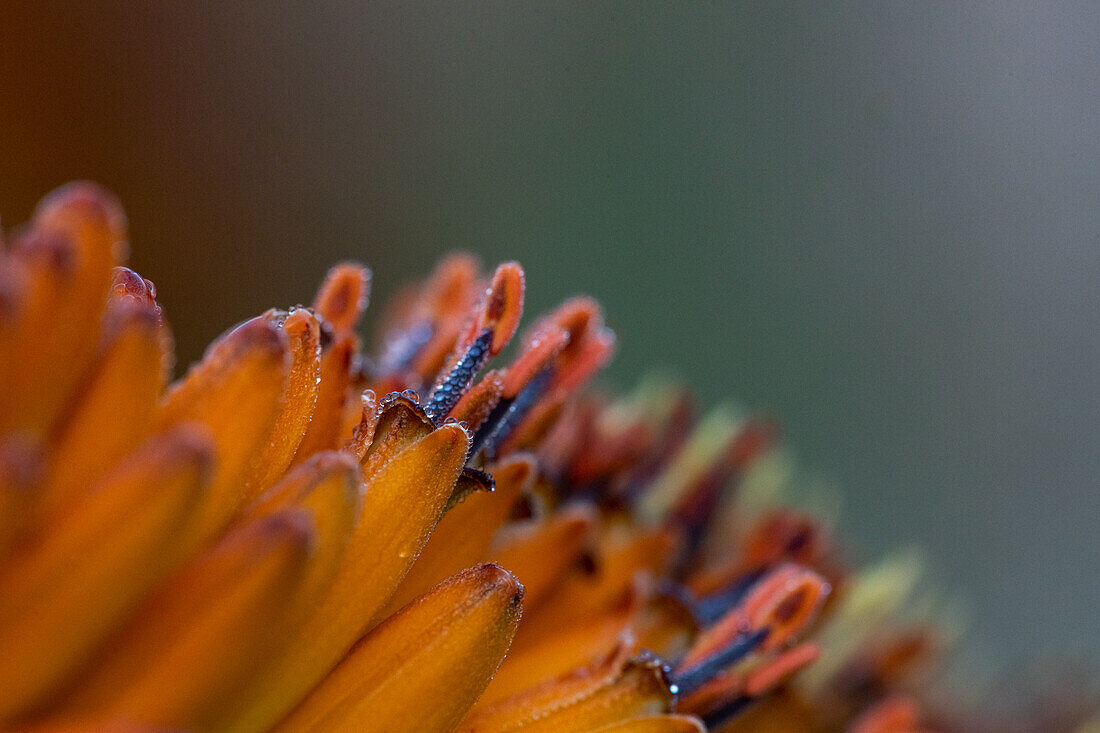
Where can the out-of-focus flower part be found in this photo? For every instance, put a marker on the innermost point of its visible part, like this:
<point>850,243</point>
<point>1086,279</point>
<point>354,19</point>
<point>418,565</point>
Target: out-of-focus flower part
<point>298,535</point>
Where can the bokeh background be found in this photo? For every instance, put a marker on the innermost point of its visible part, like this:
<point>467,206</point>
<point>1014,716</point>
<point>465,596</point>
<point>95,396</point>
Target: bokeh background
<point>879,221</point>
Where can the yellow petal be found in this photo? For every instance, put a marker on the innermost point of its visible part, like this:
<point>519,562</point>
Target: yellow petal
<point>616,690</point>
<point>91,565</point>
<point>426,665</point>
<point>76,237</point>
<point>541,552</point>
<point>235,391</point>
<point>114,412</point>
<point>303,334</point>
<point>401,505</point>
<point>210,629</point>
<point>463,536</point>
<point>658,724</point>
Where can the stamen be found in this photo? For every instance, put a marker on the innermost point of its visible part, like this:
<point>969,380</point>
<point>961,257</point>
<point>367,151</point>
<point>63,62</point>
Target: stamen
<point>450,390</point>
<point>403,346</point>
<point>730,710</point>
<point>711,608</point>
<point>469,481</point>
<point>508,415</point>
<point>740,647</point>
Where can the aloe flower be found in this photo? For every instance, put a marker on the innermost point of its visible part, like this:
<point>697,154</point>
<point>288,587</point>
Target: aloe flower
<point>296,536</point>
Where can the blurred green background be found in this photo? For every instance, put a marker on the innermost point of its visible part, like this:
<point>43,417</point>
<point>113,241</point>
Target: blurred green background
<point>878,221</point>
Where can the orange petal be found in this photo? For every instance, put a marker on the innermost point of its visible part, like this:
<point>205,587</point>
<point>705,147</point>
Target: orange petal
<point>401,423</point>
<point>463,536</point>
<point>327,486</point>
<point>449,289</point>
<point>893,715</point>
<point>777,536</point>
<point>621,553</point>
<point>785,602</point>
<point>555,655</point>
<point>324,430</point>
<point>658,724</point>
<point>36,275</point>
<point>539,350</point>
<point>540,553</point>
<point>116,404</point>
<point>776,671</point>
<point>665,625</point>
<point>590,356</point>
<point>207,633</point>
<point>93,727</point>
<point>303,334</point>
<point>295,486</point>
<point>535,425</point>
<point>236,392</point>
<point>22,466</point>
<point>426,665</point>
<point>77,236</point>
<point>129,289</point>
<point>590,344</point>
<point>402,503</point>
<point>476,405</point>
<point>501,308</point>
<point>92,564</point>
<point>343,296</point>
<point>616,690</point>
<point>363,434</point>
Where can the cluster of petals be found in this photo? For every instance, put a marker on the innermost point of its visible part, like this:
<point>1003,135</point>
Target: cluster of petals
<point>305,533</point>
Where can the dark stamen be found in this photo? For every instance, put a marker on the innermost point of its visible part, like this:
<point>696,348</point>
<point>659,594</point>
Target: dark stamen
<point>727,712</point>
<point>713,607</point>
<point>448,392</point>
<point>509,414</point>
<point>694,677</point>
<point>400,349</point>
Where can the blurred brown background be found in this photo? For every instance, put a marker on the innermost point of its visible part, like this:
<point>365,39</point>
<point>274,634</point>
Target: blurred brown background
<point>880,222</point>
